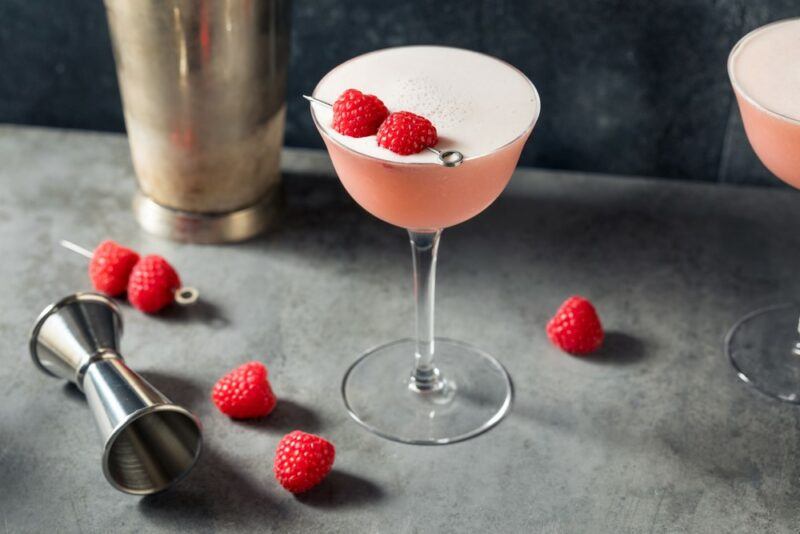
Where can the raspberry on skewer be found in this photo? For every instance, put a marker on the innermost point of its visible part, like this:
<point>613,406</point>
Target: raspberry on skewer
<point>110,267</point>
<point>151,282</point>
<point>406,133</point>
<point>358,115</point>
<point>448,158</point>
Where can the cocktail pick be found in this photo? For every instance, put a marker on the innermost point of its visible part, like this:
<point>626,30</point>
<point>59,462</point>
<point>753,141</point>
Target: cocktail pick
<point>184,296</point>
<point>448,158</point>
<point>149,442</point>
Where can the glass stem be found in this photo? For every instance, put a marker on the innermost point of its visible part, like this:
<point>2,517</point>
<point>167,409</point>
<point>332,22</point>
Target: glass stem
<point>424,247</point>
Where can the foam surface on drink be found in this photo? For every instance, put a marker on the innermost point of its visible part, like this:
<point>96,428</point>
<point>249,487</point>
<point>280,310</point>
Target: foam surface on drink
<point>766,66</point>
<point>477,103</point>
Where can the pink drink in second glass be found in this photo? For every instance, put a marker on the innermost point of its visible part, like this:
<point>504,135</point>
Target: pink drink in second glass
<point>765,72</point>
<point>764,69</point>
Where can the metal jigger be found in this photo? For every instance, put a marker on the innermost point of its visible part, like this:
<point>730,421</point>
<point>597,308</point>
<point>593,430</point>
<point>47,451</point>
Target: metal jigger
<point>150,443</point>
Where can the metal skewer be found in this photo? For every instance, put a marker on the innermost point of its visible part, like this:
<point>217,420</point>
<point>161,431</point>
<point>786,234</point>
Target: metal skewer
<point>448,158</point>
<point>69,245</point>
<point>183,295</point>
<point>318,101</point>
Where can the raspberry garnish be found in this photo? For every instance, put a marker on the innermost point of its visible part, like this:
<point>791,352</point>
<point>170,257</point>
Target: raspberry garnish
<point>358,115</point>
<point>245,392</point>
<point>152,284</point>
<point>110,267</point>
<point>576,328</point>
<point>406,133</point>
<point>302,460</point>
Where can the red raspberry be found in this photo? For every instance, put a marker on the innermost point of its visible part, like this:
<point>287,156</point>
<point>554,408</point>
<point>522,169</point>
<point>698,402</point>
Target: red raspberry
<point>358,115</point>
<point>302,461</point>
<point>576,328</point>
<point>244,393</point>
<point>405,133</point>
<point>110,267</point>
<point>152,284</point>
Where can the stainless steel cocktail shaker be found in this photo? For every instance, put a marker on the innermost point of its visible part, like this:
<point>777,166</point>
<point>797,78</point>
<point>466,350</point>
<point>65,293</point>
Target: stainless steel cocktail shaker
<point>203,91</point>
<point>149,442</point>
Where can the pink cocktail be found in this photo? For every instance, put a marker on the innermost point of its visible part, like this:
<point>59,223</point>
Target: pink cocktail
<point>425,196</point>
<point>430,390</point>
<point>764,68</point>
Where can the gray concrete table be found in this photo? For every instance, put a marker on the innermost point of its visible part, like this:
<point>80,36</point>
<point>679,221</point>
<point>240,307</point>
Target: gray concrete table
<point>654,434</point>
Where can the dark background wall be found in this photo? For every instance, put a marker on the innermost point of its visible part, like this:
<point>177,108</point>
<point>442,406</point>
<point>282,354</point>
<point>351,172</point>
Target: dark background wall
<point>628,86</point>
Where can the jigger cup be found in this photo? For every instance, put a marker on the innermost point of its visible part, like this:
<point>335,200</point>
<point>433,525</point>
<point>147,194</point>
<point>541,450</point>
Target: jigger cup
<point>149,442</point>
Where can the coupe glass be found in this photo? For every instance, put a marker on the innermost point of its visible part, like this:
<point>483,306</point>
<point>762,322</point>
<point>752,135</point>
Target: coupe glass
<point>763,345</point>
<point>426,390</point>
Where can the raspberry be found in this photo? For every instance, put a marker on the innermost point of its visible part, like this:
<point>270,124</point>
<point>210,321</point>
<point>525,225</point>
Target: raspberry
<point>110,267</point>
<point>302,461</point>
<point>405,133</point>
<point>152,284</point>
<point>576,328</point>
<point>358,115</point>
<point>244,393</point>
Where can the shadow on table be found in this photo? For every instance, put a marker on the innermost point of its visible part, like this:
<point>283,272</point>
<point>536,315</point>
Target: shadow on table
<point>72,392</point>
<point>325,224</point>
<point>203,311</point>
<point>218,491</point>
<point>342,489</point>
<point>288,415</point>
<point>215,491</point>
<point>178,389</point>
<point>618,348</point>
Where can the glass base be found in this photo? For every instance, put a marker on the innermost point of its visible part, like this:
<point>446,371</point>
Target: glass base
<point>476,395</point>
<point>763,347</point>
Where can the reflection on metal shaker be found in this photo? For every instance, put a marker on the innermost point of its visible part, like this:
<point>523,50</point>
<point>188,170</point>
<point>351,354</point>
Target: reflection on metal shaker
<point>203,90</point>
